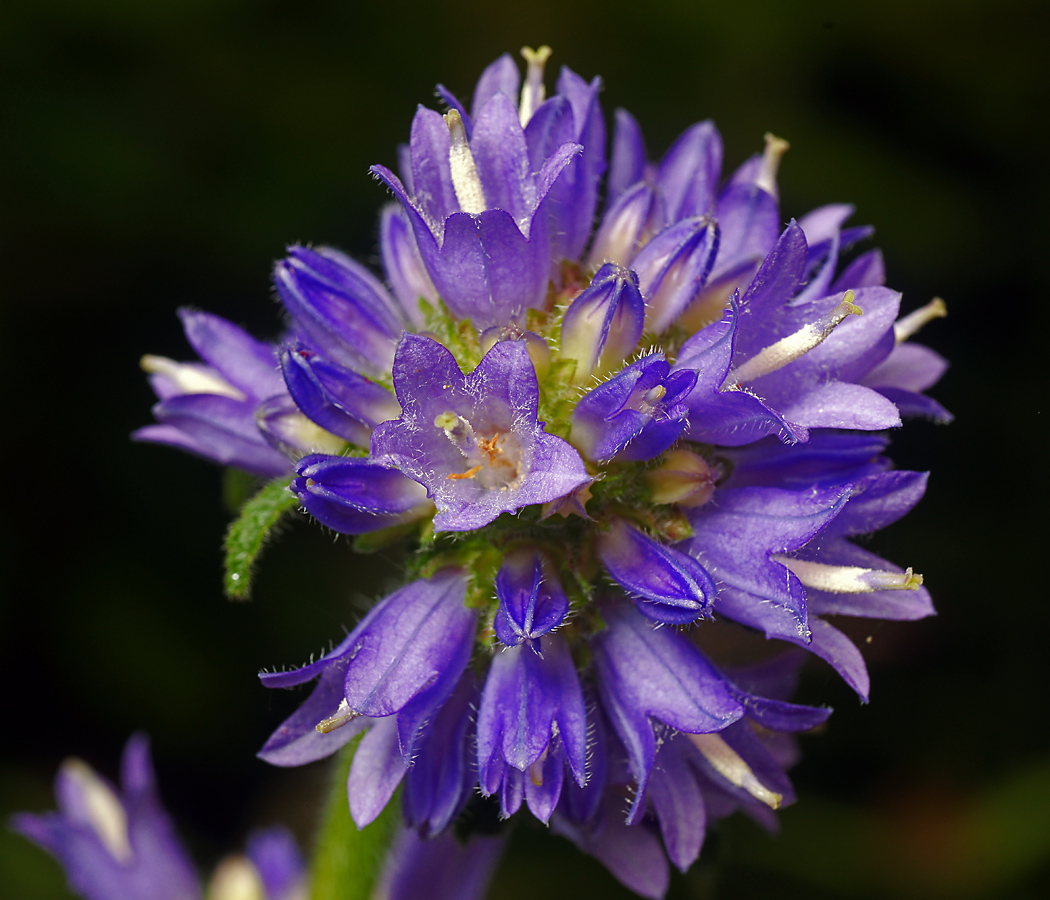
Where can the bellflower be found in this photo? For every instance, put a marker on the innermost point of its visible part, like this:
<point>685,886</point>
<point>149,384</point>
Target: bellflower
<point>123,846</point>
<point>582,439</point>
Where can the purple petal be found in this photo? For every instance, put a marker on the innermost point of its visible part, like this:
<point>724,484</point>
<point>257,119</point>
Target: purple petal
<point>505,462</point>
<point>834,647</point>
<point>867,269</point>
<point>531,600</point>
<point>442,777</point>
<point>631,219</point>
<point>277,859</point>
<point>738,530</point>
<point>524,695</point>
<point>645,672</point>
<point>909,366</point>
<point>827,458</point>
<point>297,741</point>
<point>675,588</point>
<point>499,77</point>
<point>356,483</point>
<point>910,404</point>
<point>542,792</point>
<point>841,405</point>
<point>878,501</point>
<point>627,166</point>
<point>777,715</point>
<point>375,773</point>
<point>776,282</point>
<point>673,267</point>
<point>340,308</point>
<point>248,364</point>
<point>604,322</point>
<point>502,160</point>
<point>218,428</point>
<point>336,398</point>
<point>441,868</point>
<point>679,804</point>
<point>403,265</point>
<point>688,175</point>
<point>749,221</point>
<point>824,222</point>
<point>573,199</point>
<point>632,853</point>
<point>638,413</point>
<point>419,637</point>
<point>432,187</point>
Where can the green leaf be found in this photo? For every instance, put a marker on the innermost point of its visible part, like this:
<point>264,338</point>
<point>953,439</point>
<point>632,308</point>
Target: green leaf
<point>346,861</point>
<point>249,531</point>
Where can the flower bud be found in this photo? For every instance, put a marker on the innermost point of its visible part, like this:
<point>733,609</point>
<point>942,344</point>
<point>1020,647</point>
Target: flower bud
<point>603,324</point>
<point>673,268</point>
<point>290,432</point>
<point>684,478</point>
<point>340,308</point>
<point>629,223</point>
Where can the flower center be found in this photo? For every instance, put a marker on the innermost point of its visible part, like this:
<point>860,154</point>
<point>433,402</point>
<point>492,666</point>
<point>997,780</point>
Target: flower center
<point>493,460</point>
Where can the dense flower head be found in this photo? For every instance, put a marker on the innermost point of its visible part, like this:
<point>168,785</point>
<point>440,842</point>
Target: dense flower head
<point>603,435</point>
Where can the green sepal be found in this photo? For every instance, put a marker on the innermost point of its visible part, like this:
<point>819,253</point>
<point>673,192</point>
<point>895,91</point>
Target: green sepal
<point>249,531</point>
<point>347,862</point>
<point>374,541</point>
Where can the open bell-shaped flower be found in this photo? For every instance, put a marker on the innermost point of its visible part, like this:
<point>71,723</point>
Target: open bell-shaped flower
<point>473,441</point>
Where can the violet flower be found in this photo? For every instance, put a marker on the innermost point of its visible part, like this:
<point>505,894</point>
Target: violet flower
<point>123,846</point>
<point>683,414</point>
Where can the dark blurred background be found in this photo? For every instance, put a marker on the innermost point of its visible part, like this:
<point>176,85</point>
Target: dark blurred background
<point>158,154</point>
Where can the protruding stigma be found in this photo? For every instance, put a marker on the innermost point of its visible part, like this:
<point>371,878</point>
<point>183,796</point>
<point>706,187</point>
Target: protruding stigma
<point>465,178</point>
<point>794,346</point>
<point>771,156</point>
<point>533,92</point>
<point>729,764</point>
<point>909,325</point>
<point>849,579</point>
<point>342,716</point>
<point>102,808</point>
<point>189,378</point>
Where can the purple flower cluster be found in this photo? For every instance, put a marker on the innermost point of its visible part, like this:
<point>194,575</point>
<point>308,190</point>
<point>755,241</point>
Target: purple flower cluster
<point>601,447</point>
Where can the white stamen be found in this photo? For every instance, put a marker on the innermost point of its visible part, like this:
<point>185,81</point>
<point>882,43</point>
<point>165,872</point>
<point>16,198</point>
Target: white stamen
<point>849,579</point>
<point>236,878</point>
<point>342,716</point>
<point>910,324</point>
<point>728,763</point>
<point>465,178</point>
<point>190,378</point>
<point>533,92</point>
<point>771,156</point>
<point>788,349</point>
<point>105,812</point>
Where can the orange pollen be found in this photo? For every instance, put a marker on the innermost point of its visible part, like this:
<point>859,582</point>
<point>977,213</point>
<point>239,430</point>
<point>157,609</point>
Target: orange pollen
<point>489,447</point>
<point>458,476</point>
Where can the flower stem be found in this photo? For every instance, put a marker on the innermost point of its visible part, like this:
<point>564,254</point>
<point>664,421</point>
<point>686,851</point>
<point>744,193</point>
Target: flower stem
<point>347,862</point>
